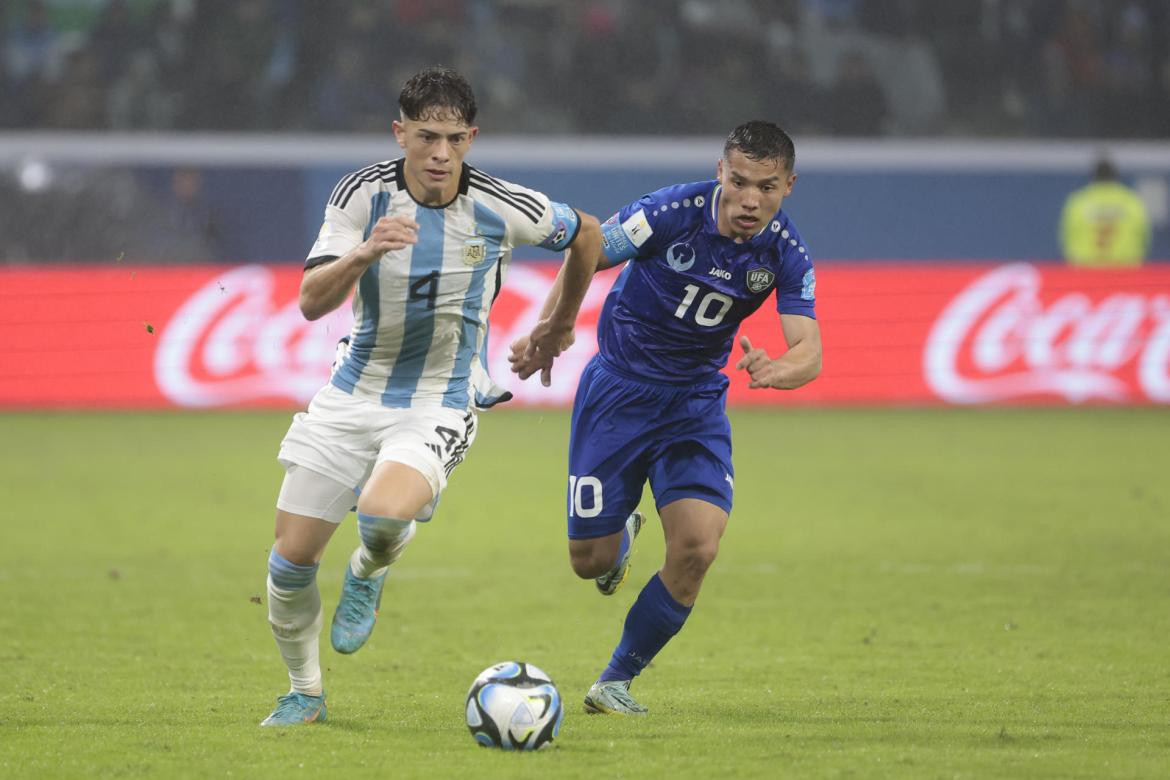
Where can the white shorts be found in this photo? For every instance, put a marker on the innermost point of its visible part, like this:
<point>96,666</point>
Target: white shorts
<point>344,437</point>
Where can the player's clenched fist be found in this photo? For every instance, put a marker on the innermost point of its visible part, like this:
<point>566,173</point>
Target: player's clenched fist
<point>389,234</point>
<point>757,363</point>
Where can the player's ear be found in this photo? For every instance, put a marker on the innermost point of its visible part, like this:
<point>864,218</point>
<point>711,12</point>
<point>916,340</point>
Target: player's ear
<point>399,132</point>
<point>719,169</point>
<point>472,132</point>
<point>788,186</point>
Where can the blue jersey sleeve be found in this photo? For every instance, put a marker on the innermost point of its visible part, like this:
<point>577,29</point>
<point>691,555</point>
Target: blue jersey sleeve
<point>797,286</point>
<point>624,235</point>
<point>642,228</point>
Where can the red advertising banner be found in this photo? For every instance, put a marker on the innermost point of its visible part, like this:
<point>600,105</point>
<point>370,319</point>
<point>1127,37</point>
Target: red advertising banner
<point>214,336</point>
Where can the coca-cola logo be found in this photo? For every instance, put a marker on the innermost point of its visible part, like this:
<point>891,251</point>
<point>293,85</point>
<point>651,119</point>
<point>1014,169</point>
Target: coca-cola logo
<point>237,341</point>
<point>998,340</point>
<point>232,343</point>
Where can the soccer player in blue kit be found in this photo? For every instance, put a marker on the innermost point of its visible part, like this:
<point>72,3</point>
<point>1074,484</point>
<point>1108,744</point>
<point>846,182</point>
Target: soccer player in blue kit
<point>651,405</point>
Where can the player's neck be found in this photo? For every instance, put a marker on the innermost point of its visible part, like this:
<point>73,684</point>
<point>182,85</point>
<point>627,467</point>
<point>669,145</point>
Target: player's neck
<point>433,197</point>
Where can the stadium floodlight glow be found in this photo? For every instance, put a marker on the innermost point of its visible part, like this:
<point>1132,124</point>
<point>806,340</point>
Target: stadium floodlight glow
<point>34,175</point>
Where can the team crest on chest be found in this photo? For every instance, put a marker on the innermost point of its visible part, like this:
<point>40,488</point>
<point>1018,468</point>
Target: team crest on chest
<point>474,251</point>
<point>759,279</point>
<point>680,256</point>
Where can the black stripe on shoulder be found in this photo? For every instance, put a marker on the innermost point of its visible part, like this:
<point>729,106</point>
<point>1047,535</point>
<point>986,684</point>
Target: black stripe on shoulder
<point>517,194</point>
<point>514,193</point>
<point>313,262</point>
<point>486,185</point>
<point>349,179</point>
<point>521,207</point>
<point>385,172</point>
<point>531,207</point>
<point>345,180</point>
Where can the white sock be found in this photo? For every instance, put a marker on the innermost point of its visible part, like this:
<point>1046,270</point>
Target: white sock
<point>388,537</point>
<point>296,620</point>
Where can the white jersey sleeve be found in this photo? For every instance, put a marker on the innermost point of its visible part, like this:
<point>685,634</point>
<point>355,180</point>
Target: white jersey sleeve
<point>343,229</point>
<point>533,219</point>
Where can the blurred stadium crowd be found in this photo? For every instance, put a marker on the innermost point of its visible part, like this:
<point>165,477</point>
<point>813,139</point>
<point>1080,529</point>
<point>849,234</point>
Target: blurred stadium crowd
<point>1004,68</point>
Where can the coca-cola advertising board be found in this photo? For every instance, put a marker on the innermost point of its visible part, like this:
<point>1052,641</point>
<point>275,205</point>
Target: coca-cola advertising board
<point>216,336</point>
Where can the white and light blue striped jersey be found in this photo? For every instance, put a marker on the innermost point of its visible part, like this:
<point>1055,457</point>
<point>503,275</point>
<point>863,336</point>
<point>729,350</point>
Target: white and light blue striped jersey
<point>420,327</point>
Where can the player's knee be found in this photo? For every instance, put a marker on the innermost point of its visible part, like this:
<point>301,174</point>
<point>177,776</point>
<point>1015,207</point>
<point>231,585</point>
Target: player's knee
<point>389,504</point>
<point>694,555</point>
<point>383,534</point>
<point>297,546</point>
<point>587,559</point>
<point>381,506</point>
<point>582,563</point>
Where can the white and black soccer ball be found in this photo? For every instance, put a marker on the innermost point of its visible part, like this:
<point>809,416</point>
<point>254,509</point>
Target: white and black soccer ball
<point>514,706</point>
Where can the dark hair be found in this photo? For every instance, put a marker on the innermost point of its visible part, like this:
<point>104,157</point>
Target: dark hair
<point>437,93</point>
<point>762,140</point>
<point>1104,169</point>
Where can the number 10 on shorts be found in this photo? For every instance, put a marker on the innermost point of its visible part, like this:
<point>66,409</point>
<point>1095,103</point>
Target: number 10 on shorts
<point>584,496</point>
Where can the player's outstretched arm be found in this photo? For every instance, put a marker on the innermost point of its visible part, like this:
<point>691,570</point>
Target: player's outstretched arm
<point>553,333</point>
<point>325,287</point>
<point>798,366</point>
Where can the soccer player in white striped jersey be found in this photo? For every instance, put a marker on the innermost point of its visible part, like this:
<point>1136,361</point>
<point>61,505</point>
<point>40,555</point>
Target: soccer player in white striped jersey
<point>426,241</point>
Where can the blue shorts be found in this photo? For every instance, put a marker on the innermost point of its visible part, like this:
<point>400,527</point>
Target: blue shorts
<point>625,431</point>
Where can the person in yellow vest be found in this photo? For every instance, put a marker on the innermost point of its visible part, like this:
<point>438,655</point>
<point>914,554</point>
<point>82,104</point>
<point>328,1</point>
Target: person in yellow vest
<point>1105,223</point>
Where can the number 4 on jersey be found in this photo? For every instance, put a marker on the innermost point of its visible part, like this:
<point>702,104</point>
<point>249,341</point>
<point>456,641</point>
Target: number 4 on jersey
<point>425,288</point>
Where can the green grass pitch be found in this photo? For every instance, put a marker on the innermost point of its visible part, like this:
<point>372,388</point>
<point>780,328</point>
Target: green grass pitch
<point>907,593</point>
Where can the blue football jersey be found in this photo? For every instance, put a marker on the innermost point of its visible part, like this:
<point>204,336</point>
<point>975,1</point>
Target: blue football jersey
<point>674,310</point>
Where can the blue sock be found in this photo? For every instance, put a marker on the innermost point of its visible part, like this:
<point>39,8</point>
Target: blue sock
<point>650,624</point>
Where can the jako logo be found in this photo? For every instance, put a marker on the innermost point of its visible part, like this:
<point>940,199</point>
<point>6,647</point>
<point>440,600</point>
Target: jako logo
<point>680,257</point>
<point>722,274</point>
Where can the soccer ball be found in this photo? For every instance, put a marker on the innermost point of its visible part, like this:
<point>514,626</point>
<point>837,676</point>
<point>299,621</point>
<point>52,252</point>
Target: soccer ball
<point>514,706</point>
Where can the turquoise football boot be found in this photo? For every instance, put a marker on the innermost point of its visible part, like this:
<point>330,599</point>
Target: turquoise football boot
<point>294,708</point>
<point>357,610</point>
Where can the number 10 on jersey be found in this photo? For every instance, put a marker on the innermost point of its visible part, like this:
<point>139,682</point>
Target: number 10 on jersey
<point>703,313</point>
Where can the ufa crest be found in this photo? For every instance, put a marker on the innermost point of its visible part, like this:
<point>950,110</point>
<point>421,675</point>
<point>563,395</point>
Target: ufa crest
<point>759,279</point>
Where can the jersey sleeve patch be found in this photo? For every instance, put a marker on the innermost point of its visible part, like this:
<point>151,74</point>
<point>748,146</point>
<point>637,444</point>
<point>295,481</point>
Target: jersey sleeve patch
<point>565,224</point>
<point>637,228</point>
<point>808,285</point>
<point>620,241</point>
<point>796,282</point>
<point>614,244</point>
